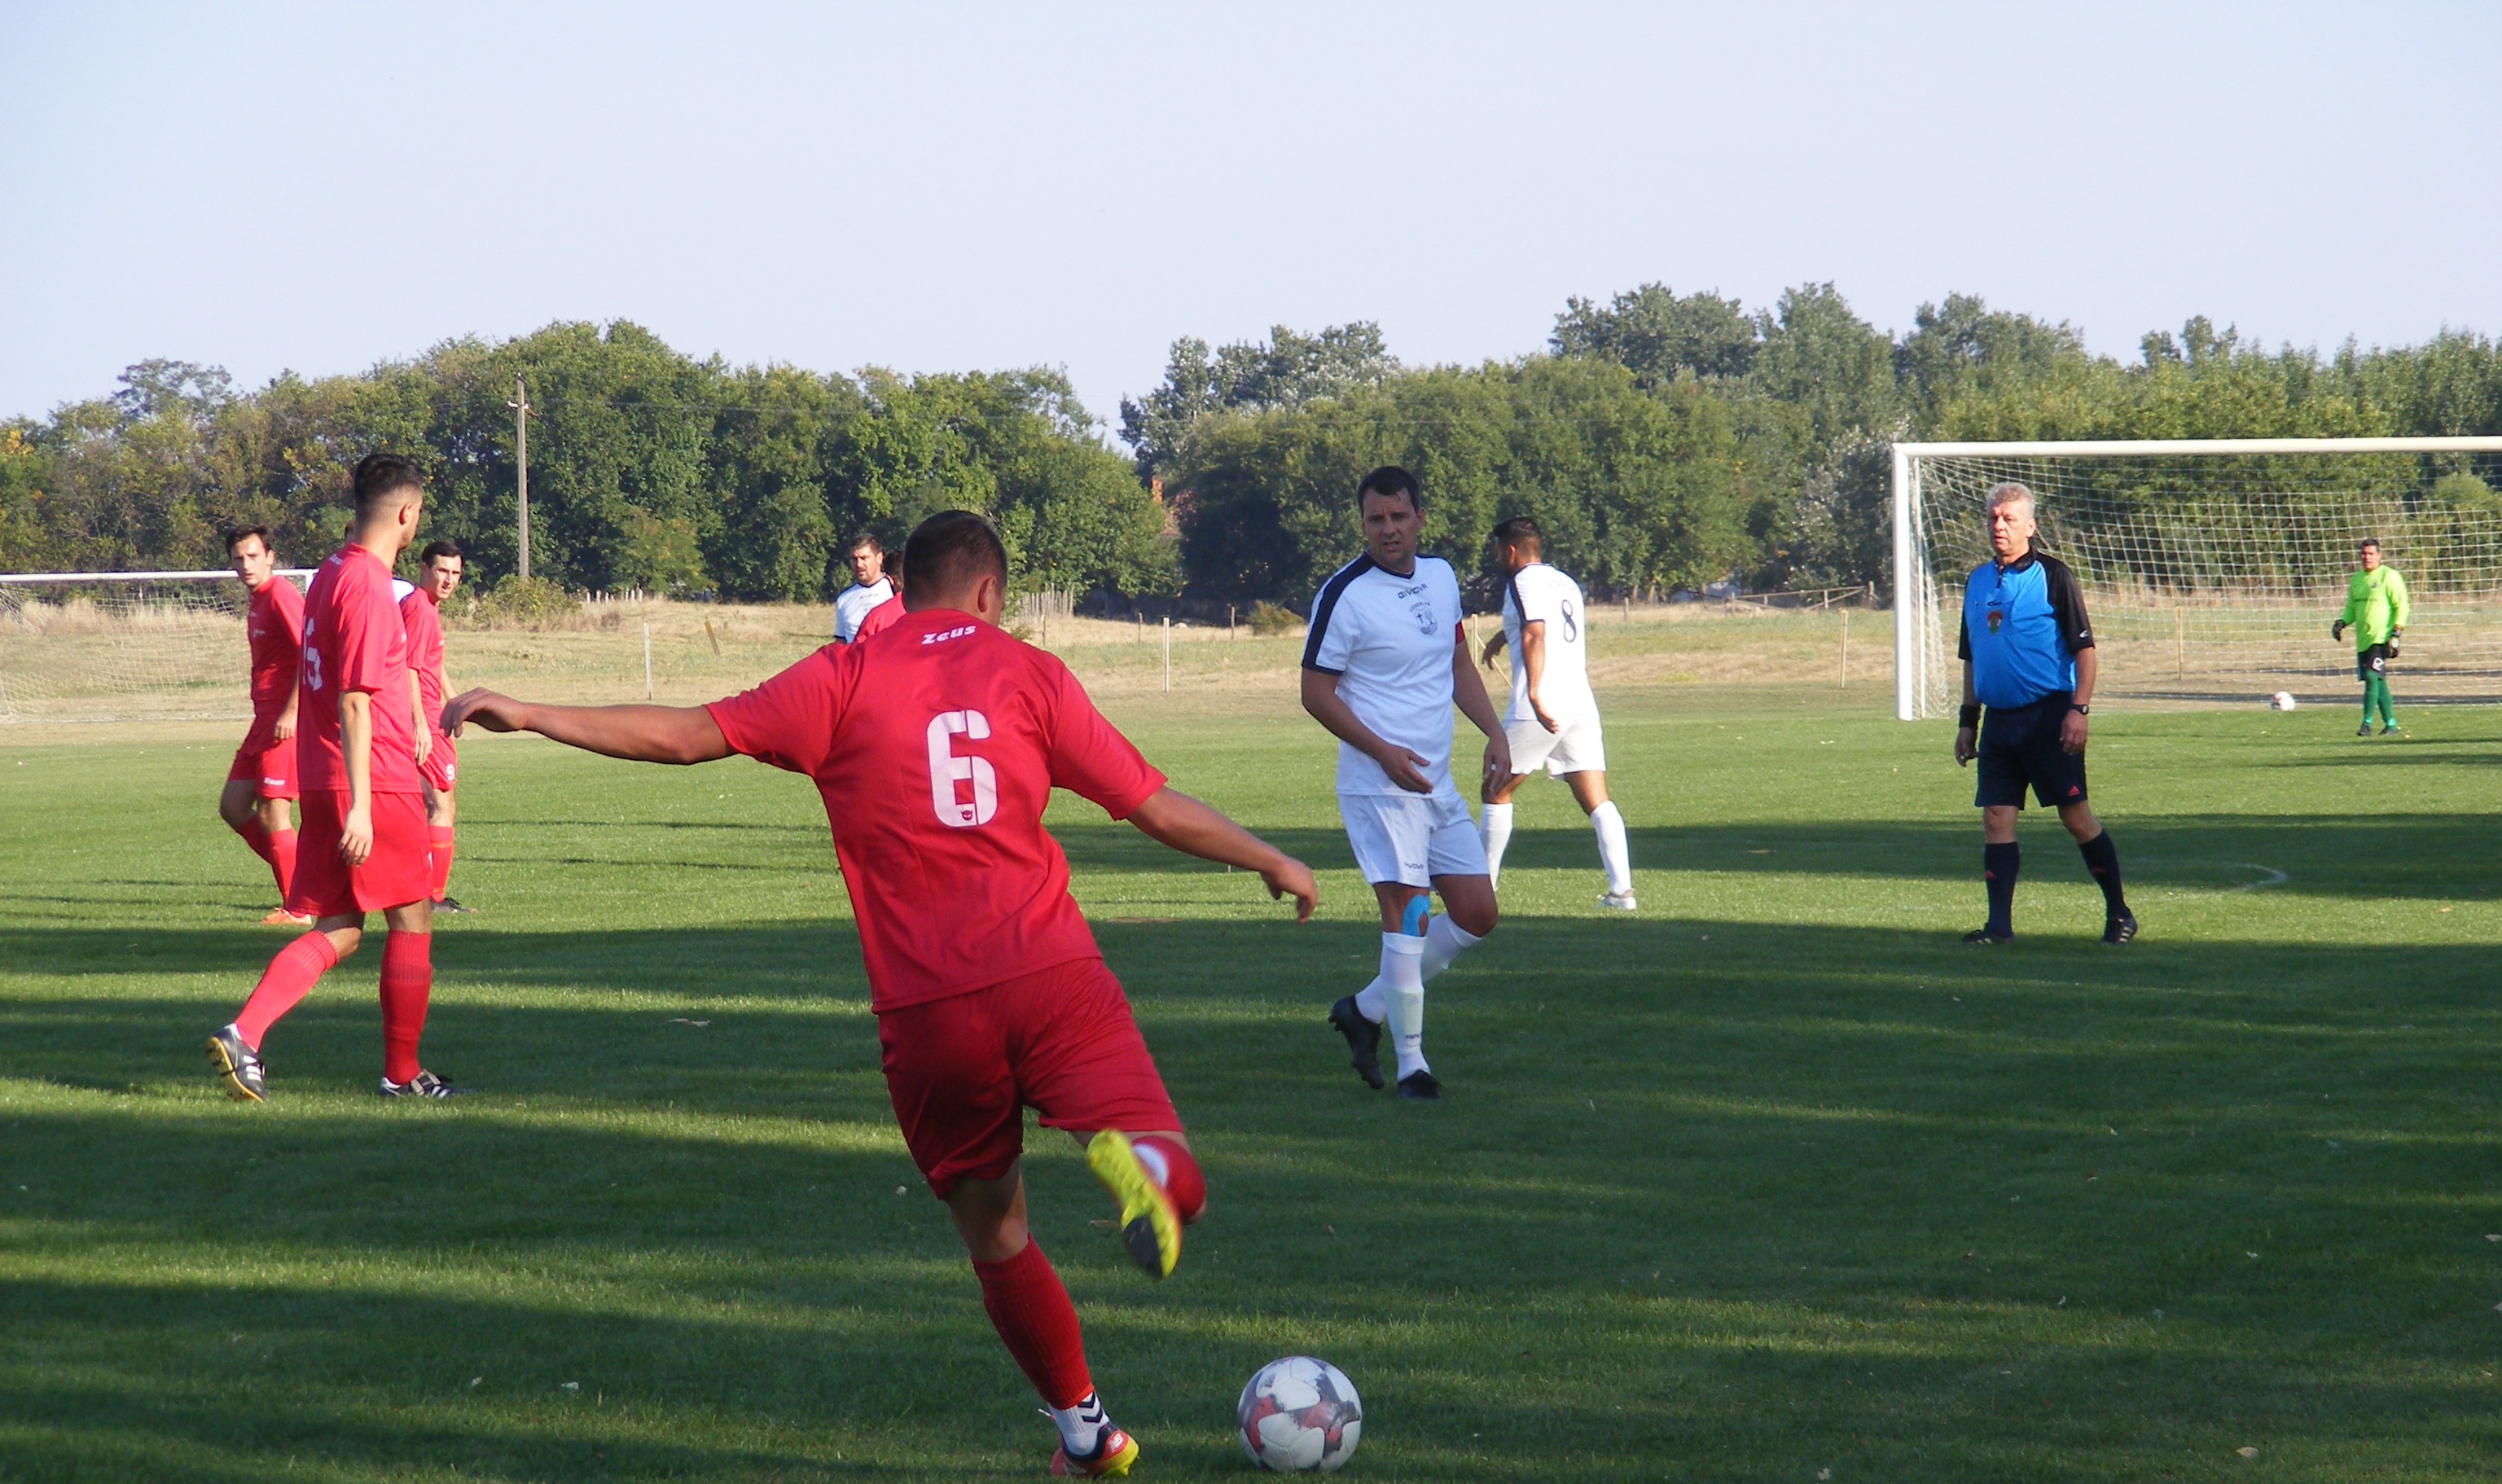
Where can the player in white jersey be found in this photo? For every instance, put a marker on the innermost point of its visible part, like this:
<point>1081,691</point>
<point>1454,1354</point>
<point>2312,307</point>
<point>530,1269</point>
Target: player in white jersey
<point>1554,719</point>
<point>1386,661</point>
<point>871,588</point>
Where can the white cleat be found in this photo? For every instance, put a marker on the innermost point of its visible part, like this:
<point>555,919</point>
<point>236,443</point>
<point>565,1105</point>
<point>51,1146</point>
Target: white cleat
<point>1621,901</point>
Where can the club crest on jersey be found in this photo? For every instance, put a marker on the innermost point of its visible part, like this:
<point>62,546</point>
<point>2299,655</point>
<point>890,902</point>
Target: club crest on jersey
<point>1995,619</point>
<point>1423,613</point>
<point>943,635</point>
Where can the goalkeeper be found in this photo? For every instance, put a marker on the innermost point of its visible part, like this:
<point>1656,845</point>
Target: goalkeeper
<point>2377,610</point>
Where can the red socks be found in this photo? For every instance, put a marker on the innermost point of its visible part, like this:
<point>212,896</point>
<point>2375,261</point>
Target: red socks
<point>297,969</point>
<point>408,977</point>
<point>438,843</point>
<point>1182,1180</point>
<point>1036,1322</point>
<point>277,847</point>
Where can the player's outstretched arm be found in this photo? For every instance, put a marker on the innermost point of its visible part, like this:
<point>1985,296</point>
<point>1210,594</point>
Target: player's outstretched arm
<point>635,733</point>
<point>1172,818</point>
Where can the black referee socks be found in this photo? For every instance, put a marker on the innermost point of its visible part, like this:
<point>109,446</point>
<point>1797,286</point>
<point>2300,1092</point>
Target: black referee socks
<point>2102,860</point>
<point>1998,866</point>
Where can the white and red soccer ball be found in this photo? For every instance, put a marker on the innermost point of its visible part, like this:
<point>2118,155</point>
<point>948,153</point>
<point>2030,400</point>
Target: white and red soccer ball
<point>2283,700</point>
<point>1300,1414</point>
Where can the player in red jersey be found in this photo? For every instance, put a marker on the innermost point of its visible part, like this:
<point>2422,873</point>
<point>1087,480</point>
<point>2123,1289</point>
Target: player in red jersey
<point>935,748</point>
<point>883,616</point>
<point>364,813</point>
<point>438,572</point>
<point>255,802</point>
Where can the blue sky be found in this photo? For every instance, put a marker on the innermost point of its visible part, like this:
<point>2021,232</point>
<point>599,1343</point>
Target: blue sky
<point>932,187</point>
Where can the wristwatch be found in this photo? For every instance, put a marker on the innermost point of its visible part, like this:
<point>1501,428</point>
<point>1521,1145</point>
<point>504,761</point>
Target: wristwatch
<point>2080,710</point>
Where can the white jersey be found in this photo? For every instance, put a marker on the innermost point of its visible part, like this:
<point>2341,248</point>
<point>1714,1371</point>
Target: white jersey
<point>855,603</point>
<point>1538,593</point>
<point>1388,639</point>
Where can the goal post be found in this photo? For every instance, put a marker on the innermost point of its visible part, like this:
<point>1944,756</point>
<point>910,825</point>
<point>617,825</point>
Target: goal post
<point>2212,566</point>
<point>125,646</point>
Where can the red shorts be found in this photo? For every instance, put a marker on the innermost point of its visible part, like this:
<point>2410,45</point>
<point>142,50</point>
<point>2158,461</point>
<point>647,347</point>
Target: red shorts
<point>964,1069</point>
<point>438,767</point>
<point>267,762</point>
<point>400,871</point>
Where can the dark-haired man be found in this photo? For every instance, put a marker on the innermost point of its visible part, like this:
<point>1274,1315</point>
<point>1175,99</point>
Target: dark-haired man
<point>254,803</point>
<point>869,590</point>
<point>363,847</point>
<point>438,572</point>
<point>936,750</point>
<point>1385,662</point>
<point>2028,659</point>
<point>2376,609</point>
<point>1553,719</point>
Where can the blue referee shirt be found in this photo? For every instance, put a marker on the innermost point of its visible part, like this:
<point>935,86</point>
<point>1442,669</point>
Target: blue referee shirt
<point>2023,623</point>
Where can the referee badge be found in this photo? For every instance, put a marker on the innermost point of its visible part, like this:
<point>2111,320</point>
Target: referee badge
<point>1996,618</point>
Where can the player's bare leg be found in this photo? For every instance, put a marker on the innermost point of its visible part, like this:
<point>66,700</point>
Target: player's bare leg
<point>1030,1310</point>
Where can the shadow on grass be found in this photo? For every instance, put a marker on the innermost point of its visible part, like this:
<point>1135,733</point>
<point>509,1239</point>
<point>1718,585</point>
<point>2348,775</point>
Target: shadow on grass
<point>1735,1199</point>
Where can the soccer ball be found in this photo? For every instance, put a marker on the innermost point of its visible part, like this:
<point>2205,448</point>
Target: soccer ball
<point>1300,1414</point>
<point>2283,700</point>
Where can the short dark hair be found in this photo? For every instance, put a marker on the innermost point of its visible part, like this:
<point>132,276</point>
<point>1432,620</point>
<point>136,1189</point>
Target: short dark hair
<point>950,552</point>
<point>381,475</point>
<point>235,535</point>
<point>1521,531</point>
<point>866,538</point>
<point>1390,479</point>
<point>444,548</point>
<point>2374,542</point>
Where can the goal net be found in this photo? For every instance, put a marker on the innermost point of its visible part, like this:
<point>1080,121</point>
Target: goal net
<point>2213,567</point>
<point>124,645</point>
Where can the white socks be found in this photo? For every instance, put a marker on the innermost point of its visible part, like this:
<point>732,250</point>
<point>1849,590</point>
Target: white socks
<point>1495,830</point>
<point>1079,1426</point>
<point>1402,986</point>
<point>1443,942</point>
<point>1613,858</point>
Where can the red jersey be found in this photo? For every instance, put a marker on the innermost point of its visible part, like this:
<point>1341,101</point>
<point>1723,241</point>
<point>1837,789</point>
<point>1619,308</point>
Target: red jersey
<point>936,748</point>
<point>274,620</point>
<point>424,625</point>
<point>883,616</point>
<point>353,640</point>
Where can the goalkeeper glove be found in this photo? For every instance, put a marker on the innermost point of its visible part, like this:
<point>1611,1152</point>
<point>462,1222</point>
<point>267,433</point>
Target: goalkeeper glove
<point>2337,629</point>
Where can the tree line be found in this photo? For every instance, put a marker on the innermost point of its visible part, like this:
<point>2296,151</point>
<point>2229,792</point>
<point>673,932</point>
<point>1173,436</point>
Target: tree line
<point>1662,440</point>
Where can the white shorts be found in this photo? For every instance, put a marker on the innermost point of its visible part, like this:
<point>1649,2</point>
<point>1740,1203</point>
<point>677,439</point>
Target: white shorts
<point>1411,838</point>
<point>1574,749</point>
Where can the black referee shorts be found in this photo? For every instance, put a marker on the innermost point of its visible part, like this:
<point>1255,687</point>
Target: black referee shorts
<point>2019,744</point>
<point>2370,660</point>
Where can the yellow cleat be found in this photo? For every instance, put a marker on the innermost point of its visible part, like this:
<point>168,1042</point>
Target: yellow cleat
<point>1150,1221</point>
<point>1114,1452</point>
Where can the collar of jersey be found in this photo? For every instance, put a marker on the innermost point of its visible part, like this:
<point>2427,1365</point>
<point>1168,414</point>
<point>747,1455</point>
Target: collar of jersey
<point>2032,554</point>
<point>1386,572</point>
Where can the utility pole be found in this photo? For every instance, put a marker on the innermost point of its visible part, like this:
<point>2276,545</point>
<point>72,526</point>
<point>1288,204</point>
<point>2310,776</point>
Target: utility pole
<point>520,406</point>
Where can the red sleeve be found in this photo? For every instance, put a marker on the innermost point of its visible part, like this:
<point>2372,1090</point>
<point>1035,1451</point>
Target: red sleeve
<point>788,721</point>
<point>1088,756</point>
<point>290,604</point>
<point>362,662</point>
<point>883,616</point>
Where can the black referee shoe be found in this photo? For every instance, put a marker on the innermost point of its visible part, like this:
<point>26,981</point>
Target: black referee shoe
<point>1420,1086</point>
<point>2119,929</point>
<point>1363,1038</point>
<point>1982,938</point>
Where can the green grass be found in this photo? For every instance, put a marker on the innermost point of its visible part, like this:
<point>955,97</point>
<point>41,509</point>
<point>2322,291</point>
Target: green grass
<point>1770,1179</point>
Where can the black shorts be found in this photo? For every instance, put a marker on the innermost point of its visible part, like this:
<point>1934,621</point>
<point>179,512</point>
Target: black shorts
<point>2371,660</point>
<point>2019,744</point>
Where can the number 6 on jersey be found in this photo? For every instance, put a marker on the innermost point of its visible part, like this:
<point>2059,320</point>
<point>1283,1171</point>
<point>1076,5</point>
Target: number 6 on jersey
<point>946,770</point>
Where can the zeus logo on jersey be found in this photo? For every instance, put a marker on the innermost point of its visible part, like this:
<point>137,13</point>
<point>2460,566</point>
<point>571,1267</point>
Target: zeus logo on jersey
<point>947,634</point>
<point>946,769</point>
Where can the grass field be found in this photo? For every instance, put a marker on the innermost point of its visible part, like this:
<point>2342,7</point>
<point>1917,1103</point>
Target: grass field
<point>1772,1181</point>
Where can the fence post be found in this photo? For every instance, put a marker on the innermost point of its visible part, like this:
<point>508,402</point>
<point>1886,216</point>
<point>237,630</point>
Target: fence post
<point>647,662</point>
<point>1845,651</point>
<point>1168,657</point>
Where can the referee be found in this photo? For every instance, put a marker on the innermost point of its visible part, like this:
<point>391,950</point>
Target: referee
<point>2028,656</point>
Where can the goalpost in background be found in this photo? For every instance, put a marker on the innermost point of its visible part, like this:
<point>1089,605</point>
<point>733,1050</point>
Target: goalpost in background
<point>125,646</point>
<point>2211,567</point>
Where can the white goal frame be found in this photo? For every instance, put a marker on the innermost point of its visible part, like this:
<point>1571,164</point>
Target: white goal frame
<point>302,577</point>
<point>1916,595</point>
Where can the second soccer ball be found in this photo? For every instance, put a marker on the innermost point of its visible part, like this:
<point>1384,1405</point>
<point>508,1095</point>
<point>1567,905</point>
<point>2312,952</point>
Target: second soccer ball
<point>2283,700</point>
